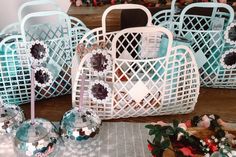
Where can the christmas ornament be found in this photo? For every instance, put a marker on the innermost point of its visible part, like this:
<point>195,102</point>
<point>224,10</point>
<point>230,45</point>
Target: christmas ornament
<point>38,139</point>
<point>11,116</point>
<point>79,123</point>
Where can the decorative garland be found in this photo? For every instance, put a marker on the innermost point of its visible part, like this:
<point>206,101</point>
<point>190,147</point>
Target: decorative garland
<point>175,138</point>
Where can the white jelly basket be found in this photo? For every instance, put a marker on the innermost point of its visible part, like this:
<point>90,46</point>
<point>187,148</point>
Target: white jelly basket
<point>215,57</point>
<point>137,79</point>
<point>59,32</point>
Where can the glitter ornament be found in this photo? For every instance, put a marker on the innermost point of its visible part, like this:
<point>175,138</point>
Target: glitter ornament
<point>38,139</point>
<point>79,124</point>
<point>11,116</point>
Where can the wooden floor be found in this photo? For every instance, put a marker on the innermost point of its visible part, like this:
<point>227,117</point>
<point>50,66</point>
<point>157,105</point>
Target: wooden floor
<point>211,101</point>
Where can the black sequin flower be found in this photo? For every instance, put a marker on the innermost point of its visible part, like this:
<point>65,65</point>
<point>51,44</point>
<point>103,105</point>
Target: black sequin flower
<point>99,61</point>
<point>228,60</point>
<point>231,33</point>
<point>38,51</point>
<point>43,77</point>
<point>99,91</point>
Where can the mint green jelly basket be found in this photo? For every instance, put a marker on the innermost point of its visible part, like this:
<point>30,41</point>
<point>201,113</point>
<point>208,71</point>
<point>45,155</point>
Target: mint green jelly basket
<point>214,55</point>
<point>59,32</point>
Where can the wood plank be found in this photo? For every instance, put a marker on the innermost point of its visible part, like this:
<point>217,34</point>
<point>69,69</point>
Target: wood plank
<point>92,16</point>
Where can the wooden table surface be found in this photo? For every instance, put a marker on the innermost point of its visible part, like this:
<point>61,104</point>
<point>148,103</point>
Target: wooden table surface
<point>211,101</point>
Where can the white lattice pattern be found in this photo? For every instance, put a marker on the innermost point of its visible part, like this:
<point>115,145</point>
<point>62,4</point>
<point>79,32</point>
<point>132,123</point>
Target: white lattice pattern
<point>142,86</point>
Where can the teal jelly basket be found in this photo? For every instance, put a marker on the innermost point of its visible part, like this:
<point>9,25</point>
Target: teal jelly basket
<point>58,31</point>
<point>207,36</point>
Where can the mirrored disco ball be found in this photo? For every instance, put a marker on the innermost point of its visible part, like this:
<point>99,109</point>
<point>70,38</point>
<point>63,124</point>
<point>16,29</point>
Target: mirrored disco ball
<point>79,124</point>
<point>38,139</point>
<point>11,116</point>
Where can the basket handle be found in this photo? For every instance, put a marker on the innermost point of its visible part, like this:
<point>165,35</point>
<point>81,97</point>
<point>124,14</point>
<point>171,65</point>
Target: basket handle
<point>172,9</point>
<point>212,5</point>
<point>125,6</point>
<point>44,14</point>
<point>148,29</point>
<point>173,3</point>
<point>26,5</point>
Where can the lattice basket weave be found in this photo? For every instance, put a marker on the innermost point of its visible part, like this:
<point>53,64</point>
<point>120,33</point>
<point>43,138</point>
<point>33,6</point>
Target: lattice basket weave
<point>78,28</point>
<point>140,81</point>
<point>60,37</point>
<point>207,40</point>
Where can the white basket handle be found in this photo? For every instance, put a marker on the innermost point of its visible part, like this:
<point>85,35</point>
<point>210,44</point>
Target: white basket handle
<point>125,6</point>
<point>34,3</point>
<point>148,29</point>
<point>44,14</point>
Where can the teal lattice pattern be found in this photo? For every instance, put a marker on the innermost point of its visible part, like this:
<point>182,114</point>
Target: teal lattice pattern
<point>61,38</point>
<point>207,36</point>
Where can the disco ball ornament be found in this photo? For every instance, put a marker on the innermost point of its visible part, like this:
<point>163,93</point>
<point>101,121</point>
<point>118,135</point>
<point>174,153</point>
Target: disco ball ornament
<point>11,117</point>
<point>38,139</point>
<point>79,124</point>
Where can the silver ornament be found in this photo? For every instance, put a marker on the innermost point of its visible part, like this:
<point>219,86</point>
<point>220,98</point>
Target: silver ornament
<point>11,116</point>
<point>38,139</point>
<point>79,124</point>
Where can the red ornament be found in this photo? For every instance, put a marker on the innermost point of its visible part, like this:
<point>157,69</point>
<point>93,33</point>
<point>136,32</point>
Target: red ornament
<point>113,2</point>
<point>211,144</point>
<point>186,151</point>
<point>150,148</point>
<point>213,148</point>
<point>181,2</point>
<point>188,123</point>
<point>208,141</point>
<point>95,3</point>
